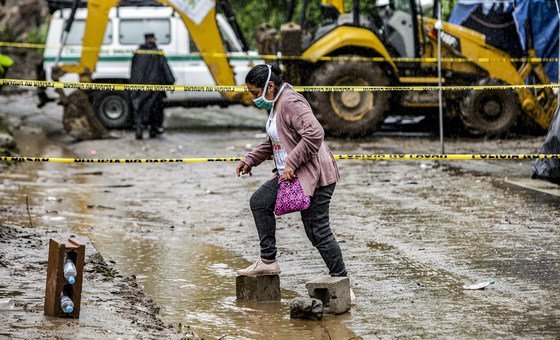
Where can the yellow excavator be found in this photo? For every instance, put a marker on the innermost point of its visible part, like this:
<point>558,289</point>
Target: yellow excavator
<point>396,45</point>
<point>399,38</point>
<point>79,118</point>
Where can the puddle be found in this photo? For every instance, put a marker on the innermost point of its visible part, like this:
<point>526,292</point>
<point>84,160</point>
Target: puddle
<point>194,284</point>
<point>192,281</point>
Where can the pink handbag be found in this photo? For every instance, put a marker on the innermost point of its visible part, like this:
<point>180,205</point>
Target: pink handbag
<point>290,197</point>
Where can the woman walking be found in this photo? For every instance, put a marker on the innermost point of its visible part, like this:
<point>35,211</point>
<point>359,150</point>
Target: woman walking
<point>296,140</point>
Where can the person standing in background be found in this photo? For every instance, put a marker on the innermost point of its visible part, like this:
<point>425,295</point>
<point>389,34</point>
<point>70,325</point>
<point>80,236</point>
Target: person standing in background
<point>149,66</point>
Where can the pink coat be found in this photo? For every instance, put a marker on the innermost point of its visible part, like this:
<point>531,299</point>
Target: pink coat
<point>302,136</point>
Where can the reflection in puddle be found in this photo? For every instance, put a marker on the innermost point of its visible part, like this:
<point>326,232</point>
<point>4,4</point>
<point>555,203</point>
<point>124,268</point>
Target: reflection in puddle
<point>194,283</point>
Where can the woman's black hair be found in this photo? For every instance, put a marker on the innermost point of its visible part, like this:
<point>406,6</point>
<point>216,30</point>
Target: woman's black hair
<point>258,74</point>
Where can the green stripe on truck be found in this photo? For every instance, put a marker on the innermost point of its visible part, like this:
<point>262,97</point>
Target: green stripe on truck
<point>129,58</point>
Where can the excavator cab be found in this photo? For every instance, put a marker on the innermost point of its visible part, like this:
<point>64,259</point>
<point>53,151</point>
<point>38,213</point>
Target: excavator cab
<point>400,26</point>
<point>354,48</point>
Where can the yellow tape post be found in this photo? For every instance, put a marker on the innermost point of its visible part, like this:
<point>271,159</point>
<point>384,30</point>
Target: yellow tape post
<point>373,157</point>
<point>239,88</point>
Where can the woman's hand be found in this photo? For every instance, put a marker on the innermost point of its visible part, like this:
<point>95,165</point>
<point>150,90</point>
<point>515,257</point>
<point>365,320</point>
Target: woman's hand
<point>242,169</point>
<point>289,173</point>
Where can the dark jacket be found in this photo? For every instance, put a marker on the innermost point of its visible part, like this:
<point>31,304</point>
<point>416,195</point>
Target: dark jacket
<point>149,68</point>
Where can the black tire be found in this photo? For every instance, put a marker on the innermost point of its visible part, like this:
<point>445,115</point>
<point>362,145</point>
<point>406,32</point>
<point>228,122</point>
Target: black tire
<point>350,114</point>
<point>113,109</point>
<point>490,112</point>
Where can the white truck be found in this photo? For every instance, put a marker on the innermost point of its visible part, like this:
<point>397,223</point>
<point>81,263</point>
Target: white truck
<point>125,31</point>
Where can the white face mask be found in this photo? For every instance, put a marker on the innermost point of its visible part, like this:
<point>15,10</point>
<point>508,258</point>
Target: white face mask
<point>262,102</point>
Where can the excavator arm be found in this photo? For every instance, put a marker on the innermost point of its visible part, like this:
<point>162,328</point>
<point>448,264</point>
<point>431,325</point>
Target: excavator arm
<point>338,4</point>
<point>98,16</point>
<point>205,35</point>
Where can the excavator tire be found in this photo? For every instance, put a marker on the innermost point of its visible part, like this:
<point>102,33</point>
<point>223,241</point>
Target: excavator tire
<point>112,108</point>
<point>78,118</point>
<point>350,114</point>
<point>490,112</point>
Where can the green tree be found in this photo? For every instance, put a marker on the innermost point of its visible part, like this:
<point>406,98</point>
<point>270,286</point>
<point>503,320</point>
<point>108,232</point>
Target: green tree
<point>252,13</point>
<point>447,8</point>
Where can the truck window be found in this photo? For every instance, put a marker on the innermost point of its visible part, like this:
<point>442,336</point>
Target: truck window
<point>403,5</point>
<point>229,45</point>
<point>192,46</point>
<point>76,34</point>
<point>132,31</point>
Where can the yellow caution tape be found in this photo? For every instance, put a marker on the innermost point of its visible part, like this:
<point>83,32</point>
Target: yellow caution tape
<point>238,88</point>
<point>374,157</point>
<point>118,87</point>
<point>278,57</point>
<point>449,157</point>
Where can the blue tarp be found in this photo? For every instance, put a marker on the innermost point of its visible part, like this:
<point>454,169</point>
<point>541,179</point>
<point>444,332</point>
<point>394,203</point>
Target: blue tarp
<point>541,14</point>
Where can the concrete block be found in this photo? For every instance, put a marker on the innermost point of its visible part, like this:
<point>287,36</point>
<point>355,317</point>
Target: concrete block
<point>334,292</point>
<point>306,308</point>
<point>258,288</point>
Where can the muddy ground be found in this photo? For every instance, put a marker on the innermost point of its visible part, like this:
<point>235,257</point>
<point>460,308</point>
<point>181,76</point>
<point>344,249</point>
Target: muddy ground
<point>412,233</point>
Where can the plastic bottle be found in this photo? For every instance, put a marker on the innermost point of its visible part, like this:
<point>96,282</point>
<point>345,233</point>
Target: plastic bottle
<point>480,285</point>
<point>70,271</point>
<point>66,304</point>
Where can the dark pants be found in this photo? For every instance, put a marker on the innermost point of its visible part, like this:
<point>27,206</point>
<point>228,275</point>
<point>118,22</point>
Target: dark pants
<point>315,220</point>
<point>148,109</point>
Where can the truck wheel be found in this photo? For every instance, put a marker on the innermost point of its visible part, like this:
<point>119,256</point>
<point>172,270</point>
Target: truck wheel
<point>489,112</point>
<point>112,108</point>
<point>350,113</point>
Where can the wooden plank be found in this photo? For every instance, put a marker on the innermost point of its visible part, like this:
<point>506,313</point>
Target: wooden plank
<point>56,282</point>
<point>53,287</point>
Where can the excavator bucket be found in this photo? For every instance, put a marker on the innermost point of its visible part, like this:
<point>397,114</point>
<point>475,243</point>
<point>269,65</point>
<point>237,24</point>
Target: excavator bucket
<point>79,119</point>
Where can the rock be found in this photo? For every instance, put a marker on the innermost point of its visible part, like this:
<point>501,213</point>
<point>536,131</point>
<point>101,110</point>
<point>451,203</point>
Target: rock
<point>7,141</point>
<point>79,119</point>
<point>7,304</point>
<point>306,308</point>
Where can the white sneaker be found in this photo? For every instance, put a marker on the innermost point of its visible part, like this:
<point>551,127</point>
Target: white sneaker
<point>260,268</point>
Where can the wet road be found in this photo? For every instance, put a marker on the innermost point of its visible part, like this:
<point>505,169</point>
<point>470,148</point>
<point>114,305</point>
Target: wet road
<point>412,233</point>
